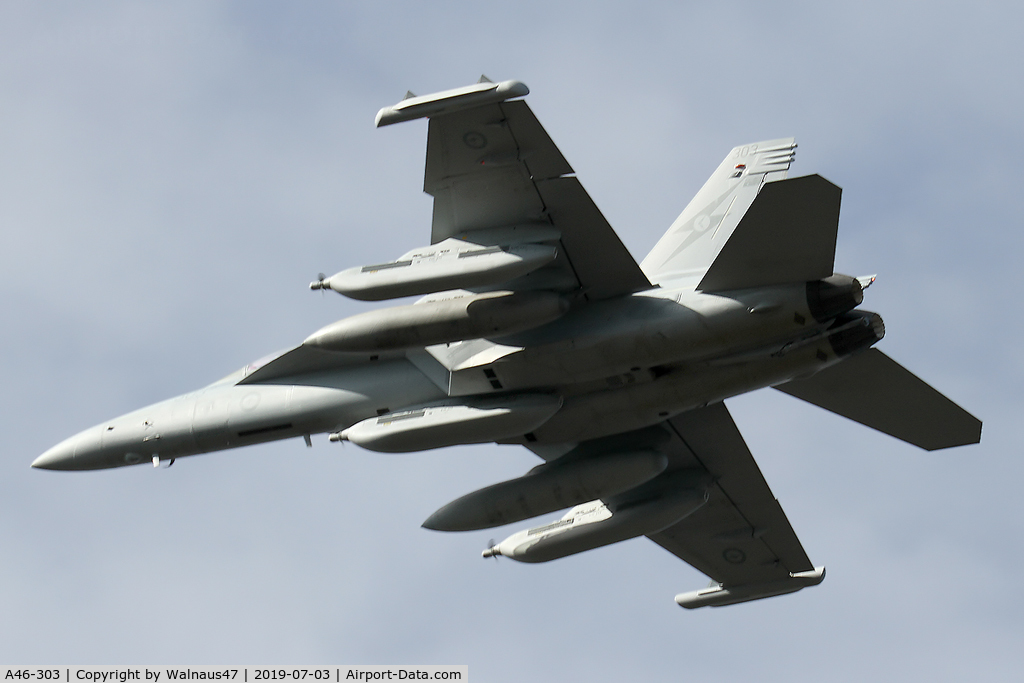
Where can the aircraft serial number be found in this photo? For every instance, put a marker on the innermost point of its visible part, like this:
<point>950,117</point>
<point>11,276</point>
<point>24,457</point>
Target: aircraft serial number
<point>292,674</point>
<point>33,674</point>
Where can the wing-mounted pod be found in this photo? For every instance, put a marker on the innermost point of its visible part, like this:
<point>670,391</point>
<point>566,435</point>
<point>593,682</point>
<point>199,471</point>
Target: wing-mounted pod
<point>440,425</point>
<point>476,259</point>
<point>647,509</point>
<point>718,595</point>
<point>447,101</point>
<point>547,488</point>
<point>452,316</point>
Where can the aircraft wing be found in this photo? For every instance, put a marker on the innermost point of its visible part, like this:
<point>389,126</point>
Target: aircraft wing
<point>493,166</point>
<point>741,536</point>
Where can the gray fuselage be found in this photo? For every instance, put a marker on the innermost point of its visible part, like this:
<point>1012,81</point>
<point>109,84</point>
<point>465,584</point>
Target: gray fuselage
<point>616,365</point>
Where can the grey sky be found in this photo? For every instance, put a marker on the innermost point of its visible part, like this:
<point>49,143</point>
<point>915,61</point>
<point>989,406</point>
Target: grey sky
<point>172,175</point>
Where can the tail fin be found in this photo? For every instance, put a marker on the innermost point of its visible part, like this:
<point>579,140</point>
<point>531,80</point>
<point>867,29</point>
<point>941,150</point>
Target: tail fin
<point>699,233</point>
<point>876,391</point>
<point>787,235</point>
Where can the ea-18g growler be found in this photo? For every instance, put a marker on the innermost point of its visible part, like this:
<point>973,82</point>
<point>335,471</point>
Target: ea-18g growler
<point>535,326</point>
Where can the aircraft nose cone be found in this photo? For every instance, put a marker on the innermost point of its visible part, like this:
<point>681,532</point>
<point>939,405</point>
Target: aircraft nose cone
<point>62,456</point>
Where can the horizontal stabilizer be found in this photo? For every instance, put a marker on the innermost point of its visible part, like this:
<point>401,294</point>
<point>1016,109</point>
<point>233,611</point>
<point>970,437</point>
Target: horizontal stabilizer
<point>787,235</point>
<point>876,391</point>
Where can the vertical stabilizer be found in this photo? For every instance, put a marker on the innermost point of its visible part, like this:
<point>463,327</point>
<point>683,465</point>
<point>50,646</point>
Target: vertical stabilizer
<point>787,235</point>
<point>689,247</point>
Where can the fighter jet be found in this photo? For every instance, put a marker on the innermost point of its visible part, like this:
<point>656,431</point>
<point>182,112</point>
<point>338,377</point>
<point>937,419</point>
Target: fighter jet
<point>535,326</point>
